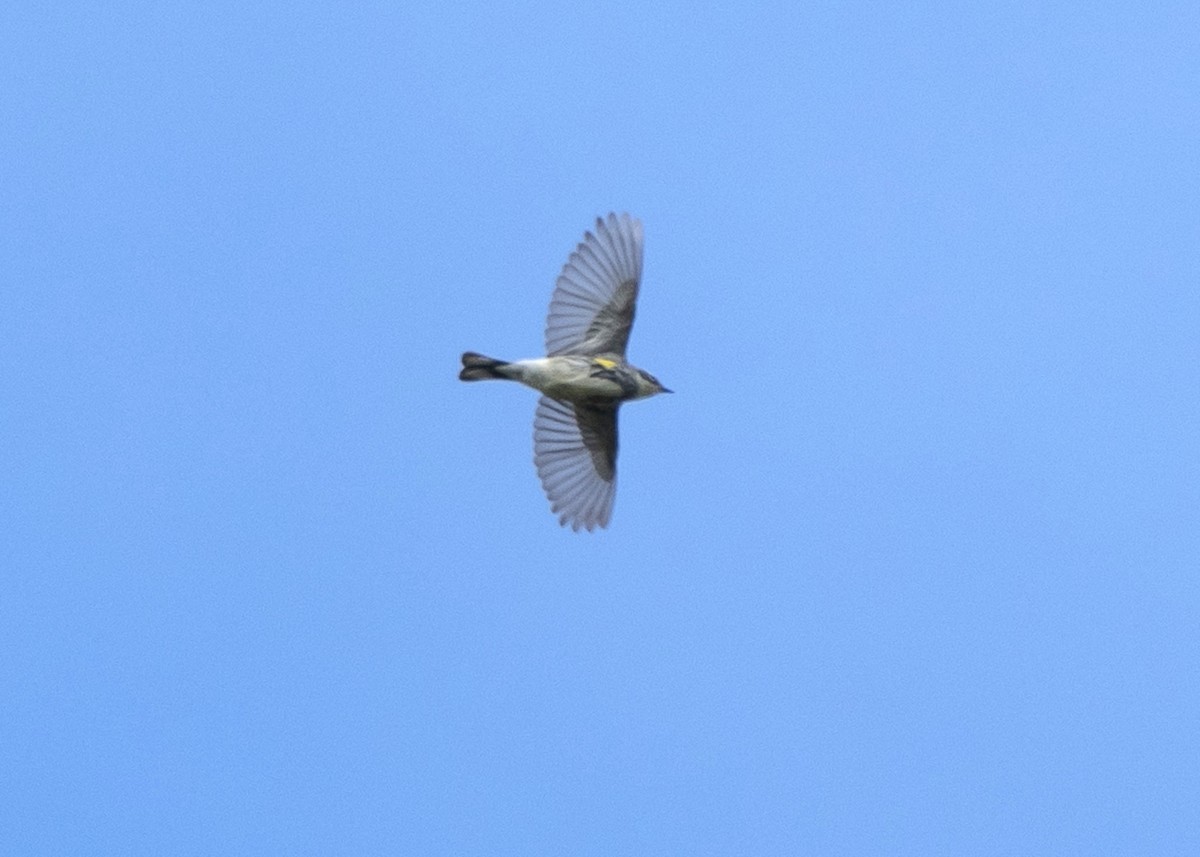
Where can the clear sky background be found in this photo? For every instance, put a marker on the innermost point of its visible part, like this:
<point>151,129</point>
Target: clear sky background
<point>907,565</point>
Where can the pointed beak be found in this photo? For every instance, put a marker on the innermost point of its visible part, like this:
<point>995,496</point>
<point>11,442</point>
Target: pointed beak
<point>665,390</point>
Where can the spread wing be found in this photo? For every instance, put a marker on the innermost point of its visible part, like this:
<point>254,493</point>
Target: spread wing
<point>591,311</point>
<point>575,450</point>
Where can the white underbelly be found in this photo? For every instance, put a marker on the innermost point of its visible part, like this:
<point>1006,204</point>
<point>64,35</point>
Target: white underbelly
<point>566,381</point>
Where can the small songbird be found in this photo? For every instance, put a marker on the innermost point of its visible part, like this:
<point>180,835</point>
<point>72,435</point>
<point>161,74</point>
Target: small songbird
<point>584,378</point>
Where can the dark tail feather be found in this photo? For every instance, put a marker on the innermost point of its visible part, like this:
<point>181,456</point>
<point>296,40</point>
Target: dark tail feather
<point>476,367</point>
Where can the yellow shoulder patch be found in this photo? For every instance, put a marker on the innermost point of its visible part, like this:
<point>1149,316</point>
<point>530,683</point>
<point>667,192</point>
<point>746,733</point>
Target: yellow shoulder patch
<point>605,362</point>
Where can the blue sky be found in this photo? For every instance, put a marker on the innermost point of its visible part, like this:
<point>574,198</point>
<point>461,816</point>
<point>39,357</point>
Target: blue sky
<point>907,565</point>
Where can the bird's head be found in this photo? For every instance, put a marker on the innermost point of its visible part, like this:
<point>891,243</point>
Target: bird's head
<point>648,385</point>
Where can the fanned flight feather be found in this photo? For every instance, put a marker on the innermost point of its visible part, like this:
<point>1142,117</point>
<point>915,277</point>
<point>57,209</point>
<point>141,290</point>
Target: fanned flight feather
<point>592,309</point>
<point>575,451</point>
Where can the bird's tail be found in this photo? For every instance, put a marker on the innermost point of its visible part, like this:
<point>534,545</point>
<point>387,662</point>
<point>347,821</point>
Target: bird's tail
<point>476,367</point>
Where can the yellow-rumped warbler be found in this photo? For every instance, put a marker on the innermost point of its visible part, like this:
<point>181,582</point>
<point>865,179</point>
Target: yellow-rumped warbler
<point>584,378</point>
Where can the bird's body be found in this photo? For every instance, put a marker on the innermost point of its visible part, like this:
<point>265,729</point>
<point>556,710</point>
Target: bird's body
<point>600,380</point>
<point>585,377</point>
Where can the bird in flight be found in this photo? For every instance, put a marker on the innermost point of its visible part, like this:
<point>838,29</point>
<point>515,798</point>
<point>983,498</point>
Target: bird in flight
<point>584,377</point>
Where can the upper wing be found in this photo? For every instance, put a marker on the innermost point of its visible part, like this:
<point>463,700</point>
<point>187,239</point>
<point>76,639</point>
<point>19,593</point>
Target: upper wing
<point>575,450</point>
<point>591,311</point>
